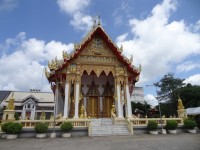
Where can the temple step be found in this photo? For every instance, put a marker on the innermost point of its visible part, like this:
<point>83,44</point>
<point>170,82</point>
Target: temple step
<point>105,127</point>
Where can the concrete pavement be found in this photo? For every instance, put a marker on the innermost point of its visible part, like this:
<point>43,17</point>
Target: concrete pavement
<point>183,141</point>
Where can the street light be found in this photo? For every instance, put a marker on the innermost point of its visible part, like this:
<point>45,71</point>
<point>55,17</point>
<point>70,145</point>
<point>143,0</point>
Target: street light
<point>163,131</point>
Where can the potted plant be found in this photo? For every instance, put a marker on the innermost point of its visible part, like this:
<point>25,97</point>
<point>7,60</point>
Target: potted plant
<point>190,125</point>
<point>12,129</point>
<point>171,126</point>
<point>152,126</point>
<point>66,127</point>
<point>41,129</point>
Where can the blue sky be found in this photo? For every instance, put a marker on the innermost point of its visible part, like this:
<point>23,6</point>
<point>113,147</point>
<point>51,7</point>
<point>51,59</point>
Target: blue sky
<point>163,36</point>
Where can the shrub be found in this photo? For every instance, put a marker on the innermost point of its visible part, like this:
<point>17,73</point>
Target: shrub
<point>41,127</point>
<point>189,124</point>
<point>66,126</point>
<point>12,127</point>
<point>171,125</point>
<point>152,125</point>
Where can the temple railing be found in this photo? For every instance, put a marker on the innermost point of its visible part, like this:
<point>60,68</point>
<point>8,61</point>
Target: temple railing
<point>163,121</point>
<point>129,125</point>
<point>75,122</point>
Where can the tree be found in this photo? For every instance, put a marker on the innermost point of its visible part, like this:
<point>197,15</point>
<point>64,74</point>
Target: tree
<point>190,95</point>
<point>143,107</point>
<point>168,89</point>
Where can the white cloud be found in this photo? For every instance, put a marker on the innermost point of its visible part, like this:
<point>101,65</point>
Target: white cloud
<point>22,68</point>
<point>187,66</point>
<point>151,100</point>
<point>75,8</point>
<point>194,79</point>
<point>7,5</point>
<point>121,38</point>
<point>72,6</point>
<point>157,43</point>
<point>81,21</point>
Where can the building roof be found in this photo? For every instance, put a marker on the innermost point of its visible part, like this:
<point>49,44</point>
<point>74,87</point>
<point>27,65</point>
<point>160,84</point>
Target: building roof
<point>42,98</point>
<point>3,95</point>
<point>193,111</point>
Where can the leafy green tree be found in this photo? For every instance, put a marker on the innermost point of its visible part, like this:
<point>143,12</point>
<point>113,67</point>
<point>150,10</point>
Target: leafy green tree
<point>143,107</point>
<point>168,88</point>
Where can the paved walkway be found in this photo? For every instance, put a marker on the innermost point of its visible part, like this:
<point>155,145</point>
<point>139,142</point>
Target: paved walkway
<point>182,141</point>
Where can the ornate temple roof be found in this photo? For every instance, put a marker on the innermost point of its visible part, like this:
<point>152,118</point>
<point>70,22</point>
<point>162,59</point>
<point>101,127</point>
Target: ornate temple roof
<point>56,65</point>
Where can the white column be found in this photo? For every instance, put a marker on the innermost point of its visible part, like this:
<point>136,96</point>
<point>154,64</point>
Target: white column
<point>77,99</point>
<point>128,102</point>
<point>56,101</point>
<point>66,103</point>
<point>23,112</point>
<point>119,107</point>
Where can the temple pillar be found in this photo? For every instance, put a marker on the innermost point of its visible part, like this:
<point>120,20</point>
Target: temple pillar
<point>77,95</point>
<point>66,103</point>
<point>128,101</point>
<point>119,106</point>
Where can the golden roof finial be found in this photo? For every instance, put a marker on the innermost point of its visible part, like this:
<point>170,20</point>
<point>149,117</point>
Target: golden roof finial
<point>99,23</point>
<point>46,72</point>
<point>140,67</point>
<point>121,49</point>
<point>11,105</point>
<point>131,59</point>
<point>65,54</point>
<point>180,104</point>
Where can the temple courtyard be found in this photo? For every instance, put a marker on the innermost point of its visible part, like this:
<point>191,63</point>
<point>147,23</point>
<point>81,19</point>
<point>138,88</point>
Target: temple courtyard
<point>183,141</point>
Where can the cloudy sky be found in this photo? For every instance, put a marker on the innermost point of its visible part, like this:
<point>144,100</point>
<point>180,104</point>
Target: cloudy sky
<point>163,36</point>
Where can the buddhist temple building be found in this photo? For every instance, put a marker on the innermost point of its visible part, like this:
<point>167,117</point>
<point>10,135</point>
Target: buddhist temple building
<point>95,76</point>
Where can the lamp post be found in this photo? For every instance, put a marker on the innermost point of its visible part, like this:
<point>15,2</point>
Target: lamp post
<point>163,131</point>
<point>53,135</point>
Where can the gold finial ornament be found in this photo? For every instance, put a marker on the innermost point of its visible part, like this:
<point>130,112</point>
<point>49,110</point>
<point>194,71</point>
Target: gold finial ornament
<point>131,59</point>
<point>11,105</point>
<point>121,49</point>
<point>52,65</point>
<point>47,74</point>
<point>65,55</point>
<point>140,67</point>
<point>99,23</point>
<point>180,104</point>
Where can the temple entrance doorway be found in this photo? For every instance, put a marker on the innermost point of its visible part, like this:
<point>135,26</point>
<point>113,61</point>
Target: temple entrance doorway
<point>98,94</point>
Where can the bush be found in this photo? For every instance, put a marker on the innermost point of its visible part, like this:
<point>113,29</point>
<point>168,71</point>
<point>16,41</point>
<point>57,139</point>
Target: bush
<point>171,125</point>
<point>12,127</point>
<point>189,124</point>
<point>41,127</point>
<point>66,126</point>
<point>152,125</point>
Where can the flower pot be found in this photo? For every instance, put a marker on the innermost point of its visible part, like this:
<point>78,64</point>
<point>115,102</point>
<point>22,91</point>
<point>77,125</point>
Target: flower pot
<point>66,135</point>
<point>11,136</point>
<point>191,131</point>
<point>53,135</point>
<point>153,132</point>
<point>172,131</point>
<point>41,135</point>
<point>3,135</point>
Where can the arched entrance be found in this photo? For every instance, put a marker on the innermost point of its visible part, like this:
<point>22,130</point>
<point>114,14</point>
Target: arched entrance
<point>98,94</point>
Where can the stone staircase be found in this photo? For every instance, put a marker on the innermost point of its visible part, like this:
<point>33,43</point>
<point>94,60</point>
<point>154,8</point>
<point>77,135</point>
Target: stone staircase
<point>105,127</point>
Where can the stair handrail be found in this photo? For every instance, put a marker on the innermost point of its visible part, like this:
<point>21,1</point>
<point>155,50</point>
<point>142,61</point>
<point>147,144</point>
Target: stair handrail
<point>129,125</point>
<point>89,129</point>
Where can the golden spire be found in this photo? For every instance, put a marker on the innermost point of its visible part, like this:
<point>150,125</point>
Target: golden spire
<point>65,55</point>
<point>46,72</point>
<point>131,59</point>
<point>140,67</point>
<point>180,104</point>
<point>99,23</point>
<point>121,49</point>
<point>11,105</point>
